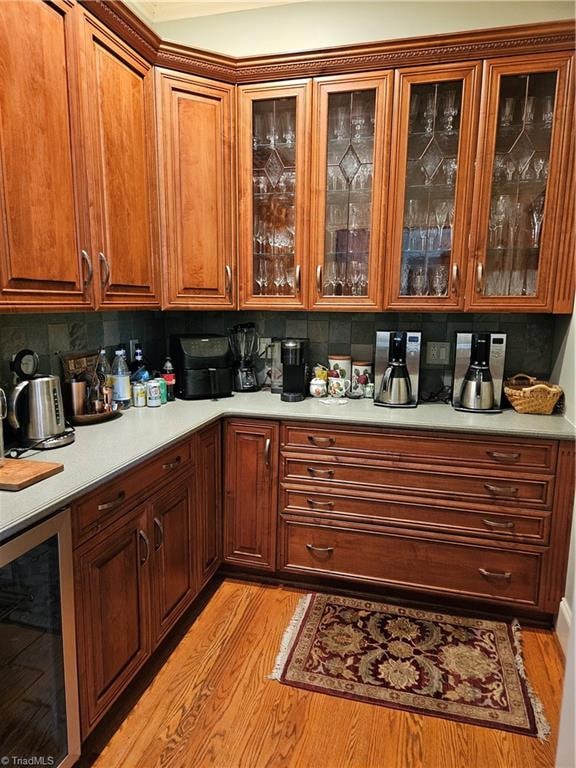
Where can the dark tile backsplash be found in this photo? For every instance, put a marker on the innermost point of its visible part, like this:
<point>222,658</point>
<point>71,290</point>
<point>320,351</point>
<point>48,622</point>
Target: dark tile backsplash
<point>529,343</point>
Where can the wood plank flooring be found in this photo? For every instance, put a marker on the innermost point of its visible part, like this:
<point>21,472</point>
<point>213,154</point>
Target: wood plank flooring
<point>211,704</point>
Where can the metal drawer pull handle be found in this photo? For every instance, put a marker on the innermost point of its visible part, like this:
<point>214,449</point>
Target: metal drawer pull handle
<point>479,278</point>
<point>326,550</point>
<point>455,279</point>
<point>503,456</point>
<point>319,279</point>
<point>297,280</point>
<point>509,491</point>
<point>228,275</point>
<point>502,575</point>
<point>508,525</point>
<point>320,472</point>
<point>144,538</point>
<point>321,441</point>
<point>108,505</point>
<point>90,274</point>
<point>105,278</point>
<point>172,464</point>
<point>160,537</point>
<point>316,503</point>
<point>267,452</point>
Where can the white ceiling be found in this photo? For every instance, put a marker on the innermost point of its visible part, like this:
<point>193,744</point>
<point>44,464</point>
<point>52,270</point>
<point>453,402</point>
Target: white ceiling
<point>171,10</point>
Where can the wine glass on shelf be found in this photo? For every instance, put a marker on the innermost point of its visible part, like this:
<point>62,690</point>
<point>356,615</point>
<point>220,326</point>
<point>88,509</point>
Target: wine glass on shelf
<point>441,212</point>
<point>547,111</point>
<point>450,112</point>
<point>439,281</point>
<point>498,214</point>
<point>536,216</point>
<point>262,276</point>
<point>429,113</point>
<point>510,169</point>
<point>538,164</point>
<point>413,113</point>
<point>329,285</point>
<point>507,112</point>
<point>418,279</point>
<point>450,167</point>
<point>412,216</point>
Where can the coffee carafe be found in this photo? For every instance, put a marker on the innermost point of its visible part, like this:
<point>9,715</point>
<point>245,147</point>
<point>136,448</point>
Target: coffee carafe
<point>244,346</point>
<point>477,390</point>
<point>396,387</point>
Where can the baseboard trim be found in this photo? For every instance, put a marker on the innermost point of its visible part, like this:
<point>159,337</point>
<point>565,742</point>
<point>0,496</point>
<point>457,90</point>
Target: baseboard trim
<point>563,623</point>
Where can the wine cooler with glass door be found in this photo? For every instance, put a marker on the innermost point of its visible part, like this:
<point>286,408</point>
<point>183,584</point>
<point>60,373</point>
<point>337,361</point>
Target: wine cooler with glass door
<point>39,721</point>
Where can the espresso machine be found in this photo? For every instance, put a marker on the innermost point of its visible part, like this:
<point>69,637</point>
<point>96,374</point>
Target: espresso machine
<point>397,368</point>
<point>479,372</point>
<point>244,346</point>
<point>292,355</point>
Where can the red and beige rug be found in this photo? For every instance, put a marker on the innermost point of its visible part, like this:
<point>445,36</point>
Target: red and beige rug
<point>463,669</point>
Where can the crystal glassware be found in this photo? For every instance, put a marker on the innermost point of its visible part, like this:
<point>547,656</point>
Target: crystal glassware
<point>342,129</point>
<point>450,168</point>
<point>536,216</point>
<point>439,280</point>
<point>450,111</point>
<point>262,276</point>
<point>429,113</point>
<point>538,164</point>
<point>498,214</point>
<point>529,110</point>
<point>414,108</point>
<point>441,210</point>
<point>418,281</point>
<point>547,111</point>
<point>507,112</point>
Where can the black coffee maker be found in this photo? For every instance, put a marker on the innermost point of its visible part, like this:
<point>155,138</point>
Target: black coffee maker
<point>244,346</point>
<point>292,355</point>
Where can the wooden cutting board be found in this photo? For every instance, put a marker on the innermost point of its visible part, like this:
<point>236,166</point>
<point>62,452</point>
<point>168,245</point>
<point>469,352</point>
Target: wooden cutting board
<point>16,474</point>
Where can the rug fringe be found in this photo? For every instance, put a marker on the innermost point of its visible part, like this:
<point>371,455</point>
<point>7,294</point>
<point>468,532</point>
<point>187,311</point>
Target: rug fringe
<point>542,724</point>
<point>289,637</point>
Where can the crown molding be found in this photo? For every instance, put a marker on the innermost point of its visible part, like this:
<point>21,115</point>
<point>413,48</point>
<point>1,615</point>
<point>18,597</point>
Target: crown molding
<point>476,44</point>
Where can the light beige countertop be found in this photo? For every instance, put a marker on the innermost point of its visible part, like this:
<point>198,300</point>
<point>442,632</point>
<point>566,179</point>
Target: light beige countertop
<point>102,451</point>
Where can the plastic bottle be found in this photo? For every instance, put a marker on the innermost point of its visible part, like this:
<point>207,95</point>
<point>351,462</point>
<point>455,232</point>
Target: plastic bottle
<point>170,378</point>
<point>138,367</point>
<point>103,370</point>
<point>121,381</point>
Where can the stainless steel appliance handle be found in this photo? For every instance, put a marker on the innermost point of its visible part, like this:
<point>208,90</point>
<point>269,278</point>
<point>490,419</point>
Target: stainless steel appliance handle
<point>159,529</point>
<point>90,275</point>
<point>13,403</point>
<point>267,452</point>
<point>105,279</point>
<point>144,538</point>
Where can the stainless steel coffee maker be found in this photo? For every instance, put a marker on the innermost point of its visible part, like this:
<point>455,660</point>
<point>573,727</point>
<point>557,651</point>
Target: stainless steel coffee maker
<point>397,368</point>
<point>478,372</point>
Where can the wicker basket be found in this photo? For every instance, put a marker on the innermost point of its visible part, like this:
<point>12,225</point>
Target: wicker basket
<point>528,395</point>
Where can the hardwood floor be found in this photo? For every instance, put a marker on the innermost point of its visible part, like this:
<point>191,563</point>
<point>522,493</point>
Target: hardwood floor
<point>211,704</point>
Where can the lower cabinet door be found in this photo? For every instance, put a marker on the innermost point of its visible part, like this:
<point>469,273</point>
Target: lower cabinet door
<point>112,596</point>
<point>462,569</point>
<point>251,471</point>
<point>174,583</point>
<point>207,455</point>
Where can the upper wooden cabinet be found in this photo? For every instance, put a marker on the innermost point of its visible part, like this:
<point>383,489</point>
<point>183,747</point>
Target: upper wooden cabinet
<point>521,181</point>
<point>198,191</point>
<point>44,239</point>
<point>435,122</point>
<point>273,194</point>
<point>118,113</point>
<point>350,143</point>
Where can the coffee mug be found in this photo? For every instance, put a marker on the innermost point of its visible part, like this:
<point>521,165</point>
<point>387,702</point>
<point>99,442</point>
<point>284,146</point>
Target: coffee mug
<point>338,387</point>
<point>318,387</point>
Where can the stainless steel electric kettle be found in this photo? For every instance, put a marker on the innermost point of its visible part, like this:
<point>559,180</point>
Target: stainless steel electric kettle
<point>36,409</point>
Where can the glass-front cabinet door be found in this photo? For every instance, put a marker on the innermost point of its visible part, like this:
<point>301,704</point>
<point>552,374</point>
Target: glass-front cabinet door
<point>349,158</point>
<point>273,194</point>
<point>434,138</point>
<point>523,123</point>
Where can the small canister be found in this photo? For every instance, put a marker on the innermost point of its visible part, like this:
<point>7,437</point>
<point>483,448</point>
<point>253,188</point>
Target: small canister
<point>153,396</point>
<point>138,394</point>
<point>163,389</point>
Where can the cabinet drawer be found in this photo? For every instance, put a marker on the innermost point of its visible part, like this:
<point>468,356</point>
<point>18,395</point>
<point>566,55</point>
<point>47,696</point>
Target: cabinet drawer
<point>435,486</point>
<point>407,561</point>
<point>418,447</point>
<point>469,522</point>
<point>103,506</point>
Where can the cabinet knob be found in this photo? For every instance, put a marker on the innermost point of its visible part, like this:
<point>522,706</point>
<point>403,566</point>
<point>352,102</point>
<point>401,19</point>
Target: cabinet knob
<point>86,258</point>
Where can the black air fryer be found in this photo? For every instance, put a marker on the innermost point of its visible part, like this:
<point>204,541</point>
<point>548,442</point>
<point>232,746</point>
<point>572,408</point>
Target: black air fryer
<point>204,366</point>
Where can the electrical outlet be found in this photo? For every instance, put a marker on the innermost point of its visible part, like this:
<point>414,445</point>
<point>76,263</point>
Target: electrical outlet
<point>437,353</point>
<point>133,344</point>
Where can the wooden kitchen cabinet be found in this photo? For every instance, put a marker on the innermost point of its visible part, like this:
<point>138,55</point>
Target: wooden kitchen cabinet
<point>208,459</point>
<point>273,194</point>
<point>350,154</point>
<point>136,555</point>
<point>433,143</point>
<point>479,517</point>
<point>118,110</point>
<point>45,258</point>
<point>250,494</point>
<point>196,121</point>
<point>518,247</point>
<point>112,613</point>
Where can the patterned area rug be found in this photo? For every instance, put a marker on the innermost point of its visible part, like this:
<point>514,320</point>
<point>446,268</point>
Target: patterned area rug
<point>462,669</point>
